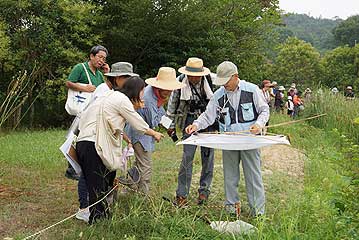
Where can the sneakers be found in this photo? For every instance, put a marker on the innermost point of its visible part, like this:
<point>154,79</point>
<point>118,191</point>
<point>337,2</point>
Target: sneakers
<point>202,199</point>
<point>71,174</point>
<point>181,201</point>
<point>83,214</point>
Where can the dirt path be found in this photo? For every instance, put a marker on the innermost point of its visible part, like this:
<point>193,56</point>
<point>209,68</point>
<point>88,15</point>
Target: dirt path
<point>284,159</point>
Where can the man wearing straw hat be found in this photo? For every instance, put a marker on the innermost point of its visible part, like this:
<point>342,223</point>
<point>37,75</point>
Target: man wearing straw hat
<point>184,106</point>
<point>155,96</point>
<point>240,106</point>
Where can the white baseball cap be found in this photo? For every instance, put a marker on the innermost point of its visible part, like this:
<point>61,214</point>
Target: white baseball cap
<point>225,71</point>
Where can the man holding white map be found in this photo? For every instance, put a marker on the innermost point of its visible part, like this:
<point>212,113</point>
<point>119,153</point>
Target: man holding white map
<point>239,106</point>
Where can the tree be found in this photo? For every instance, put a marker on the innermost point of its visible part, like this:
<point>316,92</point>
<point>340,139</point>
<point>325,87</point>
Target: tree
<point>297,62</point>
<point>153,33</point>
<point>347,32</point>
<point>341,67</point>
<point>49,36</point>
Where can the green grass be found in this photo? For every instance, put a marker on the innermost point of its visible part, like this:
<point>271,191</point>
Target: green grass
<point>35,194</point>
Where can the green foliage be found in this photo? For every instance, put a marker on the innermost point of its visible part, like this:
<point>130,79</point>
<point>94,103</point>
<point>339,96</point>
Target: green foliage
<point>341,67</point>
<point>4,49</point>
<point>316,31</point>
<point>297,62</point>
<point>347,32</point>
<point>52,35</point>
<point>155,33</point>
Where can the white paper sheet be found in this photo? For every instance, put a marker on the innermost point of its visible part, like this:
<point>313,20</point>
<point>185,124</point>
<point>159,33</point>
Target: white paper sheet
<point>233,142</point>
<point>65,149</point>
<point>165,121</point>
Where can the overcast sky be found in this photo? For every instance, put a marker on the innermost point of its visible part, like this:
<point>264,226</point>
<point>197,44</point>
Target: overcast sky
<point>324,8</point>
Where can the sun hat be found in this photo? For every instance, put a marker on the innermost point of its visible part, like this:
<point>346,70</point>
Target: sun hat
<point>281,88</point>
<point>349,88</point>
<point>335,90</point>
<point>166,79</point>
<point>194,67</point>
<point>225,71</point>
<point>293,85</point>
<point>274,83</point>
<point>121,69</point>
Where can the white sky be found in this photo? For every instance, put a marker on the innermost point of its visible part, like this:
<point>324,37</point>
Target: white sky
<point>324,8</point>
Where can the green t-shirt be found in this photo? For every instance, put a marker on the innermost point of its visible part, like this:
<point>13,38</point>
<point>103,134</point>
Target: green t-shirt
<point>78,75</point>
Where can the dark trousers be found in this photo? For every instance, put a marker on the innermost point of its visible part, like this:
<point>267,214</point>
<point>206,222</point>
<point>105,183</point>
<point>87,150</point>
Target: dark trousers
<point>98,178</point>
<point>83,192</point>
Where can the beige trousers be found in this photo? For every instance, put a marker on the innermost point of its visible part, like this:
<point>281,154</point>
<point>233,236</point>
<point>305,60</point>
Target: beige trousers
<point>143,162</point>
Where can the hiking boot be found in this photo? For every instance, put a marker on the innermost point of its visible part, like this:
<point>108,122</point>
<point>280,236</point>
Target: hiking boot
<point>83,214</point>
<point>181,201</point>
<point>71,174</point>
<point>202,199</point>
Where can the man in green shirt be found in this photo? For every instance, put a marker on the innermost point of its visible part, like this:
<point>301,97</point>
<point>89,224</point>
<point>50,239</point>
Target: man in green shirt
<point>96,63</point>
<point>78,81</point>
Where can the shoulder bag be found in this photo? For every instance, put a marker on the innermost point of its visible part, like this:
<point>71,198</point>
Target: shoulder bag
<point>78,100</point>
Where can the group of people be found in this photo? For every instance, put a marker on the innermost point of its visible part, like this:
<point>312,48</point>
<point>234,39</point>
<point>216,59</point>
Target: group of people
<point>292,102</point>
<point>124,108</point>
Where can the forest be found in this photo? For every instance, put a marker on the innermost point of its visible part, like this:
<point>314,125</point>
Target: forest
<point>42,40</point>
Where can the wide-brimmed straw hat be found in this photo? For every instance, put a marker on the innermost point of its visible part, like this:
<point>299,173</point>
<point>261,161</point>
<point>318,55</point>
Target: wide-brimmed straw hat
<point>194,67</point>
<point>281,88</point>
<point>121,69</point>
<point>166,79</point>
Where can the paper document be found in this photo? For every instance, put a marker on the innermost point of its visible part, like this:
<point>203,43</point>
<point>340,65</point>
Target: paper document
<point>165,121</point>
<point>68,151</point>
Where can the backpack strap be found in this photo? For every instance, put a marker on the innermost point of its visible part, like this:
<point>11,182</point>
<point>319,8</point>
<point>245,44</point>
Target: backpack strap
<point>87,74</point>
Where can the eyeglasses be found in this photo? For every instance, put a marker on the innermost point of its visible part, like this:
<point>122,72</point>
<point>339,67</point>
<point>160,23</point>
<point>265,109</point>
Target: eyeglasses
<point>101,57</point>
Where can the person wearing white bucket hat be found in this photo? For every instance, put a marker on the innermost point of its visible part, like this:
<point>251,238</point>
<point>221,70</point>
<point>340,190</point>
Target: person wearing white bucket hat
<point>184,106</point>
<point>239,106</point>
<point>155,96</point>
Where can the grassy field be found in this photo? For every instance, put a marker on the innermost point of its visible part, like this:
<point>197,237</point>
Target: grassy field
<point>35,194</point>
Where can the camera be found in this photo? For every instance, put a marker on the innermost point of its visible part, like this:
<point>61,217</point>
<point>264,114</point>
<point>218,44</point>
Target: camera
<point>174,136</point>
<point>197,105</point>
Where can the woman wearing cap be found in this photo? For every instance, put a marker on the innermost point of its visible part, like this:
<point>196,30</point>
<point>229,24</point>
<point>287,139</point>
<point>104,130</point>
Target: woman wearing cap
<point>155,96</point>
<point>114,108</point>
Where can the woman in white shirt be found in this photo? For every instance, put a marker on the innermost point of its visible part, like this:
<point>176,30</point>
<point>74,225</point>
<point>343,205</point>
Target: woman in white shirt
<point>117,108</point>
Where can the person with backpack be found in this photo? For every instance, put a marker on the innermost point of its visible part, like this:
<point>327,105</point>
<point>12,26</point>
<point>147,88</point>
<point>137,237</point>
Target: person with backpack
<point>184,106</point>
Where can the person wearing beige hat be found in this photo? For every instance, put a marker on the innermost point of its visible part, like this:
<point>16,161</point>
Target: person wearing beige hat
<point>184,106</point>
<point>239,106</point>
<point>155,96</point>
